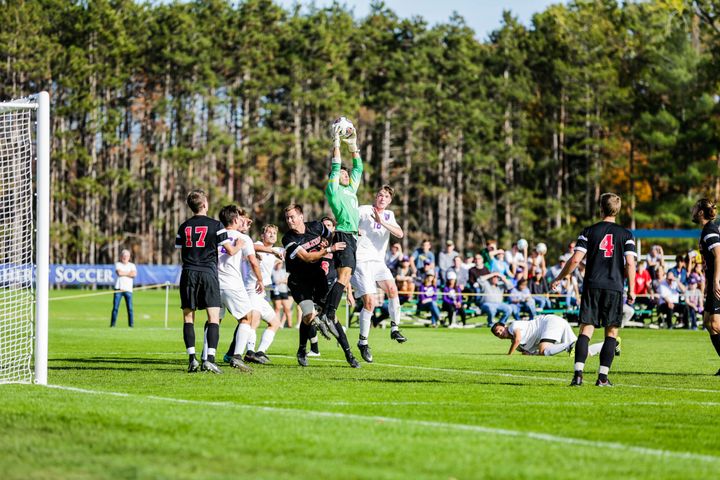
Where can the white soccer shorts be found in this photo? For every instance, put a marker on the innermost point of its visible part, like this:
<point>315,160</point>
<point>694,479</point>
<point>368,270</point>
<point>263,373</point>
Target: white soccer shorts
<point>236,302</point>
<point>367,275</point>
<point>558,329</point>
<point>259,303</point>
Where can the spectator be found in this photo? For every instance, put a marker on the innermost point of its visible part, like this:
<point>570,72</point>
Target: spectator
<point>452,300</point>
<point>643,285</point>
<point>517,260</point>
<point>694,300</point>
<point>669,290</point>
<point>557,268</point>
<point>393,257</point>
<point>699,276</point>
<point>125,271</point>
<point>280,294</point>
<point>446,258</point>
<point>461,271</point>
<point>474,276</point>
<point>492,298</point>
<point>428,269</point>
<point>405,279</point>
<point>569,288</point>
<point>655,259</point>
<point>538,260</point>
<point>499,265</point>
<point>540,289</point>
<point>427,300</point>
<point>422,255</point>
<point>521,299</point>
<point>680,269</point>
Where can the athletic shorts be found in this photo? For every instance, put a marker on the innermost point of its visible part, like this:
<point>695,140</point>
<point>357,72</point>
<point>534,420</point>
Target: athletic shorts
<point>601,308</point>
<point>236,302</point>
<point>313,288</point>
<point>279,296</point>
<point>557,330</point>
<point>367,275</point>
<point>199,290</point>
<point>712,303</point>
<point>260,304</point>
<point>345,258</point>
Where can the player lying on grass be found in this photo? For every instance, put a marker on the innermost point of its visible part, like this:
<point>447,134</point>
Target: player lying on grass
<point>544,335</point>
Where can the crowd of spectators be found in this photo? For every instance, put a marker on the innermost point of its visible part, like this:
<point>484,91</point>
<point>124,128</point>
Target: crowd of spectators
<point>500,285</point>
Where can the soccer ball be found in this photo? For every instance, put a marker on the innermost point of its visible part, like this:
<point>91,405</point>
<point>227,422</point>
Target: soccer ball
<point>541,248</point>
<point>347,129</point>
<point>522,244</point>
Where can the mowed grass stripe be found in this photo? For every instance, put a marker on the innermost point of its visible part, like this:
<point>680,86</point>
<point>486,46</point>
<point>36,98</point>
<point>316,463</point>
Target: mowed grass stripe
<point>542,437</point>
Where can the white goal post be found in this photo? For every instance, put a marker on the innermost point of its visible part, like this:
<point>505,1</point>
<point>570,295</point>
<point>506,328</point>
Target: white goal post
<point>24,263</point>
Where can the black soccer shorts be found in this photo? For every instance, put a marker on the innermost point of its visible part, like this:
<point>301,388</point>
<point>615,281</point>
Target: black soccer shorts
<point>601,308</point>
<point>312,286</point>
<point>712,303</point>
<point>199,290</point>
<point>345,258</point>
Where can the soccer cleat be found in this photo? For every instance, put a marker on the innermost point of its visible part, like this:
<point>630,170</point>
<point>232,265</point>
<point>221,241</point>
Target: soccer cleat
<point>193,366</point>
<point>397,336</point>
<point>718,373</point>
<point>227,358</point>
<point>365,352</point>
<point>330,325</point>
<point>261,355</point>
<point>618,349</point>
<point>252,357</point>
<point>577,380</point>
<point>236,362</point>
<point>321,327</point>
<point>601,383</point>
<point>313,354</point>
<point>302,358</point>
<point>351,359</point>
<point>571,348</point>
<point>210,367</point>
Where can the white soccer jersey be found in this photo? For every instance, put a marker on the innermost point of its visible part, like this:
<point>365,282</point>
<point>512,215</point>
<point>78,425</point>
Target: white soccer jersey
<point>267,263</point>
<point>247,272</point>
<point>530,331</point>
<point>550,327</point>
<point>230,272</point>
<point>374,238</point>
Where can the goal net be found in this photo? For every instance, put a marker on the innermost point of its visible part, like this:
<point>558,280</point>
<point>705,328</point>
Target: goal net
<point>24,223</point>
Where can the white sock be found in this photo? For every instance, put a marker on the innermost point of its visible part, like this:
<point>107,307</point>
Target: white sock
<point>394,308</point>
<point>241,338</point>
<point>314,339</point>
<point>594,349</point>
<point>211,352</point>
<point>602,370</point>
<point>555,349</point>
<point>365,321</point>
<point>191,350</point>
<point>204,354</point>
<point>251,341</point>
<point>267,338</point>
<point>579,366</point>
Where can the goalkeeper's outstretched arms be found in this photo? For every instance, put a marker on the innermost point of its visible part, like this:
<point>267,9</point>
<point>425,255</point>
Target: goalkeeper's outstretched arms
<point>357,169</point>
<point>334,178</point>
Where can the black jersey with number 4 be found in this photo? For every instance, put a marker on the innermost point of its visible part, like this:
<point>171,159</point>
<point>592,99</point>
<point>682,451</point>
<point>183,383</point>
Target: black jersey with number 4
<point>199,238</point>
<point>605,245</point>
<point>310,241</point>
<point>709,241</point>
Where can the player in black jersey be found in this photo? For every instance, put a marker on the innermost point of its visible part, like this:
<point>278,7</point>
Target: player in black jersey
<point>704,212</point>
<point>610,252</point>
<point>199,238</point>
<point>307,282</point>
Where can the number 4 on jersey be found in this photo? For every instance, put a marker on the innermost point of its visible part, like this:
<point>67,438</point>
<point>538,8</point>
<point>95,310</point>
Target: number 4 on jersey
<point>607,245</point>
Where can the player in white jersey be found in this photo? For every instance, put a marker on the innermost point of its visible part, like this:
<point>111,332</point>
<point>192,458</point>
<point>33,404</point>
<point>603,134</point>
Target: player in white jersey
<point>233,295</point>
<point>374,230</point>
<point>261,307</point>
<point>544,335</point>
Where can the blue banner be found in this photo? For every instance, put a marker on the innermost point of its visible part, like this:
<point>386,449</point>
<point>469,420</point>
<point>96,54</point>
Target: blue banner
<point>104,275</point>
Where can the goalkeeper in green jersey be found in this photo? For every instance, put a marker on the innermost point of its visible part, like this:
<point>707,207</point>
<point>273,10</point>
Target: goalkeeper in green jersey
<point>341,194</point>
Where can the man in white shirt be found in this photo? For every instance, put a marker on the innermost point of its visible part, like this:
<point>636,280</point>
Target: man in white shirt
<point>374,229</point>
<point>125,271</point>
<point>669,290</point>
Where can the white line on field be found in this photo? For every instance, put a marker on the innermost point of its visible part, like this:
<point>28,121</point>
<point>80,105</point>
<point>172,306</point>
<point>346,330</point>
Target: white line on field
<point>545,437</point>
<point>437,369</point>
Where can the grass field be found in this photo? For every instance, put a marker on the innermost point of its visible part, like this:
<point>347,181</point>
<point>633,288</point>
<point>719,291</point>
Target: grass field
<point>447,404</point>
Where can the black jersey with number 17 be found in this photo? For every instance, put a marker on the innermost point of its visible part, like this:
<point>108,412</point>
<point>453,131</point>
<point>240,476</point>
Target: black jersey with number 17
<point>605,245</point>
<point>199,238</point>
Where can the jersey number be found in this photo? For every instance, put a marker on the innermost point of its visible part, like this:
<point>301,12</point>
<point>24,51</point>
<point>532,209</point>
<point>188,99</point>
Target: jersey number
<point>607,245</point>
<point>202,231</point>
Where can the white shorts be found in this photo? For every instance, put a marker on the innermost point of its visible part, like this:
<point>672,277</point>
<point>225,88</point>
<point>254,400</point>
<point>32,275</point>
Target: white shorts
<point>260,304</point>
<point>236,302</point>
<point>367,275</point>
<point>557,329</point>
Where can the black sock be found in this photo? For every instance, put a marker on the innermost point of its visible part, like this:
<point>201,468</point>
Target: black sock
<point>189,337</point>
<point>304,331</point>
<point>231,348</point>
<point>333,300</point>
<point>607,353</point>
<point>213,337</point>
<point>581,348</point>
<point>342,338</point>
<point>314,347</point>
<point>715,339</point>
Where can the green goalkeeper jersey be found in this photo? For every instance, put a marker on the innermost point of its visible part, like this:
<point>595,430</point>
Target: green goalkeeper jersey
<point>343,199</point>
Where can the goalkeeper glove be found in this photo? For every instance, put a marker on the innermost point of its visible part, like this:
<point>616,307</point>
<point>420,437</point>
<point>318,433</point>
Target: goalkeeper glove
<point>336,137</point>
<point>351,142</point>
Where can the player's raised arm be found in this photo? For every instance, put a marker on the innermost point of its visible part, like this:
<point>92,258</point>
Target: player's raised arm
<point>517,338</point>
<point>357,168</point>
